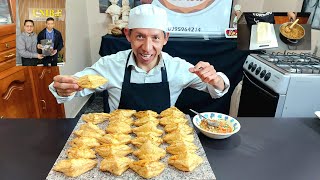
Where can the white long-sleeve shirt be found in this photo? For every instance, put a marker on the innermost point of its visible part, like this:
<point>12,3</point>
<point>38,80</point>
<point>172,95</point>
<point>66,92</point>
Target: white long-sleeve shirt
<point>113,67</point>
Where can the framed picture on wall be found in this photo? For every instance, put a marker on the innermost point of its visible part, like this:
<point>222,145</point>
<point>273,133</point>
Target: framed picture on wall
<point>104,4</point>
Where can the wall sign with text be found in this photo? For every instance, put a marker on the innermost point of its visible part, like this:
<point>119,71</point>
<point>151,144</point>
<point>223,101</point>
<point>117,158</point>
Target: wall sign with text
<point>41,14</point>
<point>197,17</point>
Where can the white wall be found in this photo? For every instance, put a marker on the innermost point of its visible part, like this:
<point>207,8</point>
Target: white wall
<point>78,52</point>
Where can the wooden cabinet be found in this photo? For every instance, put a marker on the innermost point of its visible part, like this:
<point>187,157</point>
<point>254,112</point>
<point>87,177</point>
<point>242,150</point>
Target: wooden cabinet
<point>24,91</point>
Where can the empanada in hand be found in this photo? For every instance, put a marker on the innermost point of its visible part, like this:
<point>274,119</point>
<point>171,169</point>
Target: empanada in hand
<point>92,127</point>
<point>86,133</point>
<point>172,111</point>
<point>84,141</point>
<point>115,164</point>
<point>118,127</point>
<point>125,112</point>
<point>95,118</point>
<point>148,127</point>
<point>115,139</point>
<point>182,147</point>
<point>147,113</point>
<point>149,151</point>
<point>147,169</point>
<point>145,120</point>
<point>181,127</point>
<point>75,167</point>
<point>91,81</point>
<point>171,120</point>
<point>177,137</point>
<point>106,150</point>
<point>81,152</point>
<point>185,161</point>
<point>140,140</point>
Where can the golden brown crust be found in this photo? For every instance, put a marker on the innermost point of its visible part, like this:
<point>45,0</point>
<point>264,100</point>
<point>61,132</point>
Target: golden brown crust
<point>91,81</point>
<point>95,118</point>
<point>181,147</point>
<point>185,161</point>
<point>140,140</point>
<point>147,169</point>
<point>181,127</point>
<point>115,164</point>
<point>145,120</point>
<point>81,152</point>
<point>84,141</point>
<point>106,150</point>
<point>116,139</point>
<point>124,112</point>
<point>149,151</point>
<point>148,127</point>
<point>147,113</point>
<point>173,112</point>
<point>75,167</point>
<point>118,127</point>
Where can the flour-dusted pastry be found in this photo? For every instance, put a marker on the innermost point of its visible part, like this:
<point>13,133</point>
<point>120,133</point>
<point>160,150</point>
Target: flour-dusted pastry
<point>122,118</point>
<point>91,81</point>
<point>75,167</point>
<point>185,161</point>
<point>146,119</point>
<point>147,113</point>
<point>118,127</point>
<point>172,111</point>
<point>81,152</point>
<point>178,137</point>
<point>140,140</point>
<point>86,133</point>
<point>95,118</point>
<point>125,112</point>
<point>84,141</point>
<point>149,151</point>
<point>115,164</point>
<point>171,120</point>
<point>147,169</point>
<point>106,150</point>
<point>181,127</point>
<point>148,127</point>
<point>92,127</point>
<point>182,147</point>
<point>115,139</point>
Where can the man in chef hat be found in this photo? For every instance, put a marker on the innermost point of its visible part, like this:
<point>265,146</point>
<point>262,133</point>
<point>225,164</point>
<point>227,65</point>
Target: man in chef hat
<point>144,77</point>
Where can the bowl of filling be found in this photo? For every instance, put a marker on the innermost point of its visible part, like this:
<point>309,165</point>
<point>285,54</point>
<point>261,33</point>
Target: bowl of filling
<point>226,125</point>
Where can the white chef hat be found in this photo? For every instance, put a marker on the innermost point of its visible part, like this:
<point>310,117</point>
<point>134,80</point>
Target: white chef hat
<point>148,16</point>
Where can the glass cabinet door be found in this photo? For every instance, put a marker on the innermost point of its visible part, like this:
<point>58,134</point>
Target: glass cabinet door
<point>5,14</point>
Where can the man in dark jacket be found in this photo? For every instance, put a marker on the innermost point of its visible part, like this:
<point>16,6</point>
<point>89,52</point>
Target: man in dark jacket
<point>51,34</point>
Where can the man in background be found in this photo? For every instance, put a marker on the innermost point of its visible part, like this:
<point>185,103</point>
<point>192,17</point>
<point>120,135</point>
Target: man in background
<point>51,34</point>
<point>27,45</point>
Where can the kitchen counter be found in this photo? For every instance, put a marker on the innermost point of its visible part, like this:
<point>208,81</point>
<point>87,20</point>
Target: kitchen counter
<point>264,148</point>
<point>244,33</point>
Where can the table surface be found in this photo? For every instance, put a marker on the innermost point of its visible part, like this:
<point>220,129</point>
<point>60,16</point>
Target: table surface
<point>264,148</point>
<point>244,33</point>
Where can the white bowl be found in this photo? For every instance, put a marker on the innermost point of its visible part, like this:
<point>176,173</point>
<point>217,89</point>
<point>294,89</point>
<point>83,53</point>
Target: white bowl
<point>218,116</point>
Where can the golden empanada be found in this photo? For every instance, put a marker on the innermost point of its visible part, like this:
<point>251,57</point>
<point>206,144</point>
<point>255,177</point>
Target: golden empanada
<point>171,120</point>
<point>147,169</point>
<point>149,151</point>
<point>75,167</point>
<point>178,137</point>
<point>81,152</point>
<point>118,127</point>
<point>95,118</point>
<point>148,127</point>
<point>172,111</point>
<point>92,127</point>
<point>140,140</point>
<point>106,150</point>
<point>181,147</point>
<point>91,81</point>
<point>86,133</point>
<point>121,118</point>
<point>144,134</point>
<point>115,164</point>
<point>146,119</point>
<point>185,161</point>
<point>84,141</point>
<point>115,139</point>
<point>147,113</point>
<point>181,127</point>
<point>125,112</point>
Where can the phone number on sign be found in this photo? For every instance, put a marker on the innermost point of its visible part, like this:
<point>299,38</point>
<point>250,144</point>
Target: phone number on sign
<point>186,29</point>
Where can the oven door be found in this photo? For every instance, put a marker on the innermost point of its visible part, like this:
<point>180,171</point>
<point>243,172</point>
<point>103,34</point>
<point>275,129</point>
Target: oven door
<point>256,100</point>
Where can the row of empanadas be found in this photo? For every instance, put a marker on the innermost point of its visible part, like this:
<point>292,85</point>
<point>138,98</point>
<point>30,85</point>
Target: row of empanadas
<point>115,164</point>
<point>115,139</point>
<point>185,161</point>
<point>147,113</point>
<point>75,167</point>
<point>96,118</point>
<point>148,128</point>
<point>149,151</point>
<point>118,127</point>
<point>106,150</point>
<point>147,169</point>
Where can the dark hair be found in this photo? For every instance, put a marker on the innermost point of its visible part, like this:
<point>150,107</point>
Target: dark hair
<point>164,33</point>
<point>49,19</point>
<point>28,20</point>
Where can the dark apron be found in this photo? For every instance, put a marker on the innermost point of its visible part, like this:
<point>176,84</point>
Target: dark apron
<point>146,96</point>
<point>252,18</point>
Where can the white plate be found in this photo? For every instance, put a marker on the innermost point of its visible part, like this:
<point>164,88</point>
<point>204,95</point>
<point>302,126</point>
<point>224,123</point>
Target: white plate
<point>317,113</point>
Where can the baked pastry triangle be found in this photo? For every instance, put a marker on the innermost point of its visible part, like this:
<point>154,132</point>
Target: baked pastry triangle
<point>185,161</point>
<point>115,139</point>
<point>75,167</point>
<point>106,150</point>
<point>182,147</point>
<point>81,152</point>
<point>147,113</point>
<point>147,169</point>
<point>95,118</point>
<point>84,141</point>
<point>91,81</point>
<point>149,151</point>
<point>115,164</point>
